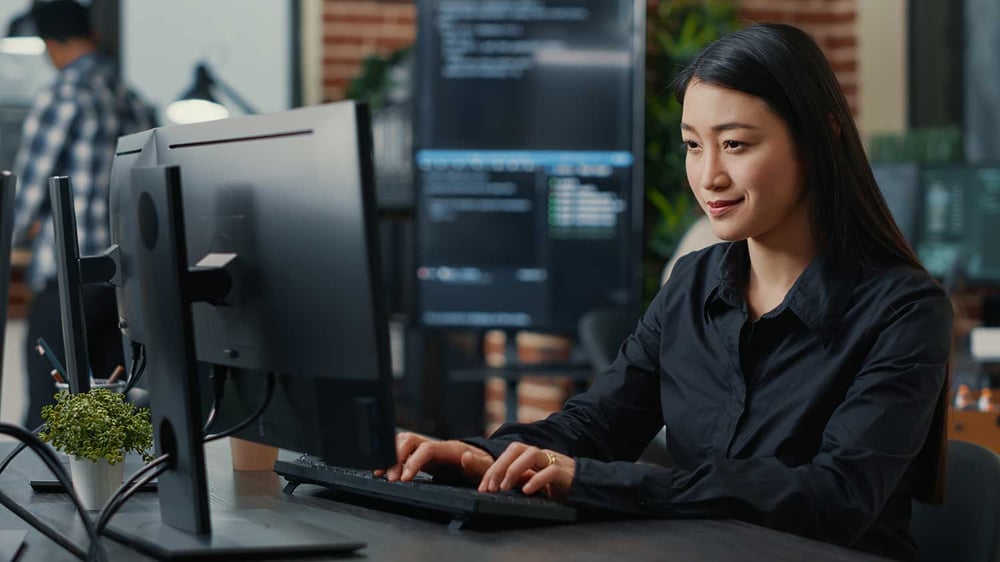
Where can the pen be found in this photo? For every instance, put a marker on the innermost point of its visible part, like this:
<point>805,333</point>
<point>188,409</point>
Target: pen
<point>45,351</point>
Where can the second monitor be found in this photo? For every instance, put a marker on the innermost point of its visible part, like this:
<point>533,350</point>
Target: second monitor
<point>267,263</point>
<point>959,222</point>
<point>292,195</point>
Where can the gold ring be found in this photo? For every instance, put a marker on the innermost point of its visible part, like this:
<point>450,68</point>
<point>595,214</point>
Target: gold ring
<point>552,458</point>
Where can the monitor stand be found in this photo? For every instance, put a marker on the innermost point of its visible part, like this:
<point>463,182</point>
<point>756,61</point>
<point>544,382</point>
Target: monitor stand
<point>185,526</point>
<point>245,533</point>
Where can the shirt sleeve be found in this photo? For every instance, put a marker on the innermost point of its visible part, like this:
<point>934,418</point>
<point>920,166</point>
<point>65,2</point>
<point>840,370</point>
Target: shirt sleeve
<point>868,444</point>
<point>617,416</point>
<point>87,163</point>
<point>41,154</point>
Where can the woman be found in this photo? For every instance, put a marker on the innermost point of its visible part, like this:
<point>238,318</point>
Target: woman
<point>799,369</point>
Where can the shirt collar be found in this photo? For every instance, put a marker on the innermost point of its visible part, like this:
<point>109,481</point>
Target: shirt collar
<point>79,66</point>
<point>818,297</point>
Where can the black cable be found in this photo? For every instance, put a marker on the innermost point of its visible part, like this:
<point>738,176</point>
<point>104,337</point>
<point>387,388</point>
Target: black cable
<point>138,364</point>
<point>146,474</point>
<point>250,419</point>
<point>153,470</point>
<point>17,450</point>
<point>134,365</point>
<point>131,480</point>
<point>129,488</point>
<point>218,374</point>
<point>143,476</point>
<point>51,460</point>
<point>41,526</point>
<point>140,369</point>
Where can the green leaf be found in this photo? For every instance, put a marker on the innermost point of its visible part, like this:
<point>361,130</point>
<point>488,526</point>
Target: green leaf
<point>677,30</point>
<point>97,424</point>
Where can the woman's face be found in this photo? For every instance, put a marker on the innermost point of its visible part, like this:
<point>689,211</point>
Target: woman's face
<point>742,164</point>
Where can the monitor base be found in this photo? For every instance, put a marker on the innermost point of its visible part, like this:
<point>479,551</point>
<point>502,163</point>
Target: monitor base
<point>237,534</point>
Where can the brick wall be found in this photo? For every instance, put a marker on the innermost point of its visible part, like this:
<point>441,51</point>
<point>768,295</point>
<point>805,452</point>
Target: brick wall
<point>354,30</point>
<point>832,23</point>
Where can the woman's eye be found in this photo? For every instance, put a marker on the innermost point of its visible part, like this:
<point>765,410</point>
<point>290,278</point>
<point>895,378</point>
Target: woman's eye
<point>690,145</point>
<point>732,145</point>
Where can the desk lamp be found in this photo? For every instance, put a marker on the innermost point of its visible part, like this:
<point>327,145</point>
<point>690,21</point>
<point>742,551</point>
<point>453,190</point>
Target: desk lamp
<point>199,102</point>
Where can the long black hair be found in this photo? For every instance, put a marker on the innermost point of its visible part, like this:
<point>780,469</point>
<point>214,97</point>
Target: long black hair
<point>783,66</point>
<point>850,220</point>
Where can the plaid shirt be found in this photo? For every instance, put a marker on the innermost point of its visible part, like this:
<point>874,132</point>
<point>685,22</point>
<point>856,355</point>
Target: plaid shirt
<point>72,130</point>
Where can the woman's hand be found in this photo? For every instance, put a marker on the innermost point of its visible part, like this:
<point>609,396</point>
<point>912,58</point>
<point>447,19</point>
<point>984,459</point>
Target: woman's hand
<point>416,452</point>
<point>538,469</point>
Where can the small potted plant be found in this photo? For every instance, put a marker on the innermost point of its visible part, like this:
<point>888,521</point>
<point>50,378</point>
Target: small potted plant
<point>97,429</point>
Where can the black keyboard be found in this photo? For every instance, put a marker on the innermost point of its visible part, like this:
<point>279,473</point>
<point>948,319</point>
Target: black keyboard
<point>461,502</point>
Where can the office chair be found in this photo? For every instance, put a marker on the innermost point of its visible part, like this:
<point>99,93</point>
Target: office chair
<point>697,237</point>
<point>601,332</point>
<point>967,525</point>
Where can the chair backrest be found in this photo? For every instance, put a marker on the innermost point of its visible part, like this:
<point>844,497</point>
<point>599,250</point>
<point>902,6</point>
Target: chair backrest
<point>967,525</point>
<point>602,332</point>
<point>698,236</point>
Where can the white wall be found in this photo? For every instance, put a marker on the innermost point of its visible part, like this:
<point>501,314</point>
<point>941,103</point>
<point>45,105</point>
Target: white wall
<point>21,76</point>
<point>312,51</point>
<point>247,44</point>
<point>882,60</point>
<point>14,392</point>
<point>9,9</point>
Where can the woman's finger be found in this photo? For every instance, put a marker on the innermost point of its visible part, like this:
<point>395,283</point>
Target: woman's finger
<point>425,454</point>
<point>406,443</point>
<point>491,478</point>
<point>475,464</point>
<point>531,459</point>
<point>549,479</point>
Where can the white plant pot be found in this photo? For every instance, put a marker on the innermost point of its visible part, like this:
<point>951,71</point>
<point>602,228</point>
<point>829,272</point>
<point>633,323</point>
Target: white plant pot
<point>94,482</point>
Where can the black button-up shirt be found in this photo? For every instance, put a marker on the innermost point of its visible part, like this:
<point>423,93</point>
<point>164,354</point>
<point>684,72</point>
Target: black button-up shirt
<point>808,420</point>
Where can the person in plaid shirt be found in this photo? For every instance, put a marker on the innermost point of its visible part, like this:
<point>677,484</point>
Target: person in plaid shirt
<point>71,130</point>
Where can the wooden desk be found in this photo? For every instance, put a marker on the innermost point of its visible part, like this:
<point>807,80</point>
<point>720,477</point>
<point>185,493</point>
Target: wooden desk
<point>397,537</point>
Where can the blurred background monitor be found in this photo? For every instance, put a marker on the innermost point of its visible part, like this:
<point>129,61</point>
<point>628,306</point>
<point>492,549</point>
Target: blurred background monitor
<point>528,161</point>
<point>900,186</point>
<point>960,222</point>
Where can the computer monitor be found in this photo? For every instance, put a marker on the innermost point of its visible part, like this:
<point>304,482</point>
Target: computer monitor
<point>11,542</point>
<point>959,218</point>
<point>900,186</point>
<point>529,144</point>
<point>8,186</point>
<point>285,202</point>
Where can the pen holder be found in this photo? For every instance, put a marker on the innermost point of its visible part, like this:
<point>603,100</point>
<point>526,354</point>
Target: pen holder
<point>248,455</point>
<point>117,386</point>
